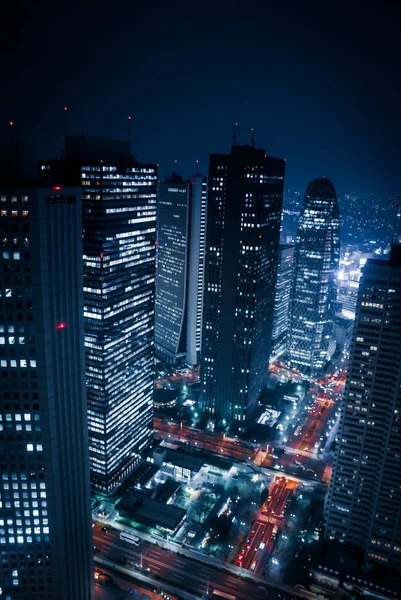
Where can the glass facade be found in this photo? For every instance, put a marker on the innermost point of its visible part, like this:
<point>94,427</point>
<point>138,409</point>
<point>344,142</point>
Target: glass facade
<point>243,229</point>
<point>45,523</point>
<point>281,319</point>
<point>363,506</point>
<point>119,237</point>
<point>180,268</point>
<point>196,274</point>
<point>172,268</point>
<point>316,261</point>
<point>119,295</point>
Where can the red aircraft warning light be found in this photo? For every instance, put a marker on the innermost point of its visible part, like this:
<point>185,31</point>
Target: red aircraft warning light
<point>61,326</point>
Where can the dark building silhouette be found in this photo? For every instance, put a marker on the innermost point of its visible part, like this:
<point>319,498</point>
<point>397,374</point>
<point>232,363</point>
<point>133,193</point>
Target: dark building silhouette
<point>45,521</point>
<point>119,234</point>
<point>181,235</point>
<point>363,506</point>
<point>245,191</point>
<point>316,261</point>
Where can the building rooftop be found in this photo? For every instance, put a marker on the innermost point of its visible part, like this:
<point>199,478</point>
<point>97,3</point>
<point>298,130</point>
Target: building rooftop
<point>140,476</point>
<point>160,450</point>
<point>272,397</point>
<point>184,460</point>
<point>192,461</point>
<point>152,513</point>
<point>218,462</point>
<point>347,563</point>
<point>166,490</point>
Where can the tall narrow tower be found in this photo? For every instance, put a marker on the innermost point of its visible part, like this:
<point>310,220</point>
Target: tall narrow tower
<point>282,301</point>
<point>181,233</point>
<point>316,260</point>
<point>45,521</point>
<point>243,229</point>
<point>363,506</point>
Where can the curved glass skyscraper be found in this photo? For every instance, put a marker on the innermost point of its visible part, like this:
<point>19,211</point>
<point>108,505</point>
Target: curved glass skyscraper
<point>316,259</point>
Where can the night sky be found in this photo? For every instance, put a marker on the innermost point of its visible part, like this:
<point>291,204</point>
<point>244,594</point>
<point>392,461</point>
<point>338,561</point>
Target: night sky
<point>319,82</point>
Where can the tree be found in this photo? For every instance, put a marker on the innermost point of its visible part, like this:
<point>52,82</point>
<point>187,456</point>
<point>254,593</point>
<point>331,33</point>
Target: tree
<point>220,527</point>
<point>264,494</point>
<point>200,507</point>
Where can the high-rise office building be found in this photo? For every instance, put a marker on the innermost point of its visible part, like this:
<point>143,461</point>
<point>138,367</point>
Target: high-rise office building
<point>243,230</point>
<point>119,229</point>
<point>196,266</point>
<point>363,505</point>
<point>181,234</point>
<point>281,318</point>
<point>45,521</point>
<point>316,260</point>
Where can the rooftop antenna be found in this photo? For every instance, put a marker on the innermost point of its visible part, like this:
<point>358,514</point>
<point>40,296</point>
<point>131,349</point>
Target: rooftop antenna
<point>65,121</point>
<point>65,110</point>
<point>235,134</point>
<point>11,125</point>
<point>252,138</point>
<point>129,131</point>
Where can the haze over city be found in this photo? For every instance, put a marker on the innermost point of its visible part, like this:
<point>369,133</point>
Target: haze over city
<point>318,83</point>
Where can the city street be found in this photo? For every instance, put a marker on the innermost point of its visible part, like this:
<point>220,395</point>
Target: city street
<point>206,440</point>
<point>259,543</point>
<point>121,588</point>
<point>306,438</point>
<point>178,570</point>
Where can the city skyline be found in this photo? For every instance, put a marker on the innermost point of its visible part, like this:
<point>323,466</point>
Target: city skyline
<point>200,300</point>
<point>282,420</point>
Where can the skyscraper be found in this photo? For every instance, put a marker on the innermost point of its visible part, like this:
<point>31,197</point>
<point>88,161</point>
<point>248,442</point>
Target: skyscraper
<point>119,226</point>
<point>181,233</point>
<point>196,265</point>
<point>363,505</point>
<point>45,522</point>
<point>243,229</point>
<point>281,318</point>
<point>316,260</point>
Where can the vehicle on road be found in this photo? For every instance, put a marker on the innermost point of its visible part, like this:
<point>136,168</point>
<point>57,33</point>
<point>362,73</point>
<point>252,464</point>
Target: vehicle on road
<point>131,539</point>
<point>105,530</point>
